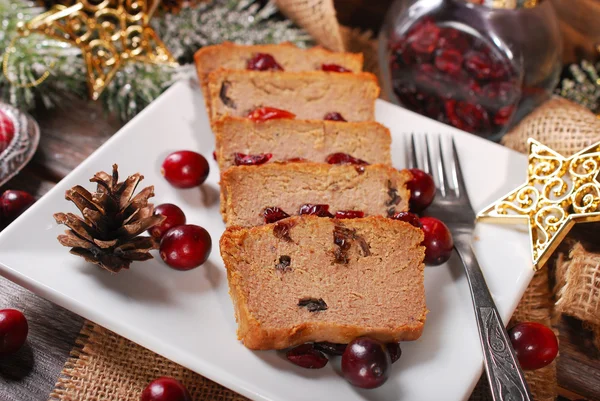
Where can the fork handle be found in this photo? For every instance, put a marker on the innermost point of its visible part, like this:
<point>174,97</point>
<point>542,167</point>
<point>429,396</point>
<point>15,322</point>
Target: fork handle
<point>504,374</point>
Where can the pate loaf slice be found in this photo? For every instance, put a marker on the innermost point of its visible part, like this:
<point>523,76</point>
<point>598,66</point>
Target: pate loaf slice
<point>309,95</point>
<point>310,140</point>
<point>246,191</point>
<point>288,290</point>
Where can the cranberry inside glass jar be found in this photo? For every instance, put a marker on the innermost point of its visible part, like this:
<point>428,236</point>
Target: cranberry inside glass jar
<point>469,65</point>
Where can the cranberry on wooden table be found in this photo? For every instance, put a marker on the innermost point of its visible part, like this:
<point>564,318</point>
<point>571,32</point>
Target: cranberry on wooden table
<point>263,62</point>
<point>366,363</point>
<point>165,389</point>
<point>13,331</point>
<point>307,356</point>
<point>185,247</point>
<point>269,113</point>
<point>7,131</point>
<point>334,116</point>
<point>241,159</point>
<point>438,241</point>
<point>422,190</point>
<point>536,345</point>
<point>185,169</point>
<point>334,68</point>
<point>174,217</point>
<point>13,203</point>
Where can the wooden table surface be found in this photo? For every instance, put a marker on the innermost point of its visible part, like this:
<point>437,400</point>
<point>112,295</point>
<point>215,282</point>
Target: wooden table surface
<point>69,135</point>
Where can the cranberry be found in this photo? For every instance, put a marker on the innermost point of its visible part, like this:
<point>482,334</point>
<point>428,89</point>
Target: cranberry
<point>425,38</point>
<point>334,116</point>
<point>165,389</point>
<point>315,210</point>
<point>13,203</point>
<point>422,190</point>
<point>334,68</point>
<point>185,247</point>
<point>185,169</point>
<point>174,217</point>
<point>241,159</point>
<point>451,38</point>
<point>214,155</point>
<point>535,344</point>
<point>394,351</point>
<point>449,61</point>
<point>366,363</point>
<point>349,214</point>
<point>404,54</point>
<point>438,241</point>
<point>273,214</point>
<point>263,62</point>
<point>7,131</point>
<point>408,217</point>
<point>13,331</point>
<point>500,92</point>
<point>269,113</point>
<point>467,116</point>
<point>330,348</point>
<point>307,356</point>
<point>502,117</point>
<point>344,158</point>
<point>479,64</point>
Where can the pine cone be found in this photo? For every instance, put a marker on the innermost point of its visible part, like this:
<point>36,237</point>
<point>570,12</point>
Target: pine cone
<point>113,219</point>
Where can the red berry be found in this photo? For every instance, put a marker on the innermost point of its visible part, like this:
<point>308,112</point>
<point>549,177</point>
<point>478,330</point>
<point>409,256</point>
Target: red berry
<point>269,113</point>
<point>13,203</point>
<point>535,344</point>
<point>408,217</point>
<point>466,116</point>
<point>349,214</point>
<point>241,159</point>
<point>165,389</point>
<point>13,331</point>
<point>422,190</point>
<point>307,356</point>
<point>451,38</point>
<point>263,62</point>
<point>185,247</point>
<point>424,39</point>
<point>344,158</point>
<point>331,348</point>
<point>502,117</point>
<point>273,214</point>
<point>501,92</point>
<point>479,64</point>
<point>174,217</point>
<point>366,363</point>
<point>449,61</point>
<point>334,68</point>
<point>7,131</point>
<point>334,116</point>
<point>394,351</point>
<point>185,169</point>
<point>214,155</point>
<point>315,210</point>
<point>438,241</point>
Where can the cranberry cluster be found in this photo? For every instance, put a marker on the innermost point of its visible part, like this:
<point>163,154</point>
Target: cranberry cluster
<point>454,77</point>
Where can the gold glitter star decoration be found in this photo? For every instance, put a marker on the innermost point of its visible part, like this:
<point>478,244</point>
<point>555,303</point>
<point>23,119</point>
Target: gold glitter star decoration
<point>108,32</point>
<point>559,192</point>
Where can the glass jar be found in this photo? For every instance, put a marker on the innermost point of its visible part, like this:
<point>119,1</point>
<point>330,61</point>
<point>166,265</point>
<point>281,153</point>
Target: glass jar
<point>479,65</point>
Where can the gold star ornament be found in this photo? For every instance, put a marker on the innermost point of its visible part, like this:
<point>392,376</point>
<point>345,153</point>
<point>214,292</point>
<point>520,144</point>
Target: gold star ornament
<point>109,33</point>
<point>559,192</point>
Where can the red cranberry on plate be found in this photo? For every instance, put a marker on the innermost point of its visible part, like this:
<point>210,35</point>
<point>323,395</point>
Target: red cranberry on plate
<point>422,190</point>
<point>307,356</point>
<point>334,68</point>
<point>273,214</point>
<point>13,203</point>
<point>408,217</point>
<point>394,351</point>
<point>438,241</point>
<point>269,113</point>
<point>536,345</point>
<point>185,247</point>
<point>241,159</point>
<point>366,363</point>
<point>185,169</point>
<point>174,217</point>
<point>334,116</point>
<point>166,389</point>
<point>7,131</point>
<point>333,349</point>
<point>13,331</point>
<point>263,62</point>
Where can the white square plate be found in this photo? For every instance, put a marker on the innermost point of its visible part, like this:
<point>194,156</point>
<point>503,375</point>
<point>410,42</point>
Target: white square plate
<point>188,317</point>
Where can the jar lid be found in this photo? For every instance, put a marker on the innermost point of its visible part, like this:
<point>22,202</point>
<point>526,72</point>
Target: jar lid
<point>507,4</point>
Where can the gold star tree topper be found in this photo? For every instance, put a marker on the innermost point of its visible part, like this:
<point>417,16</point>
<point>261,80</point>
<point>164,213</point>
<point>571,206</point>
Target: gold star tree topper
<point>559,192</point>
<point>108,32</point>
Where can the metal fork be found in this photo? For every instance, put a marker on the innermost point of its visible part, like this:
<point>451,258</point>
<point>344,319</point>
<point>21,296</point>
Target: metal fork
<point>453,207</point>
